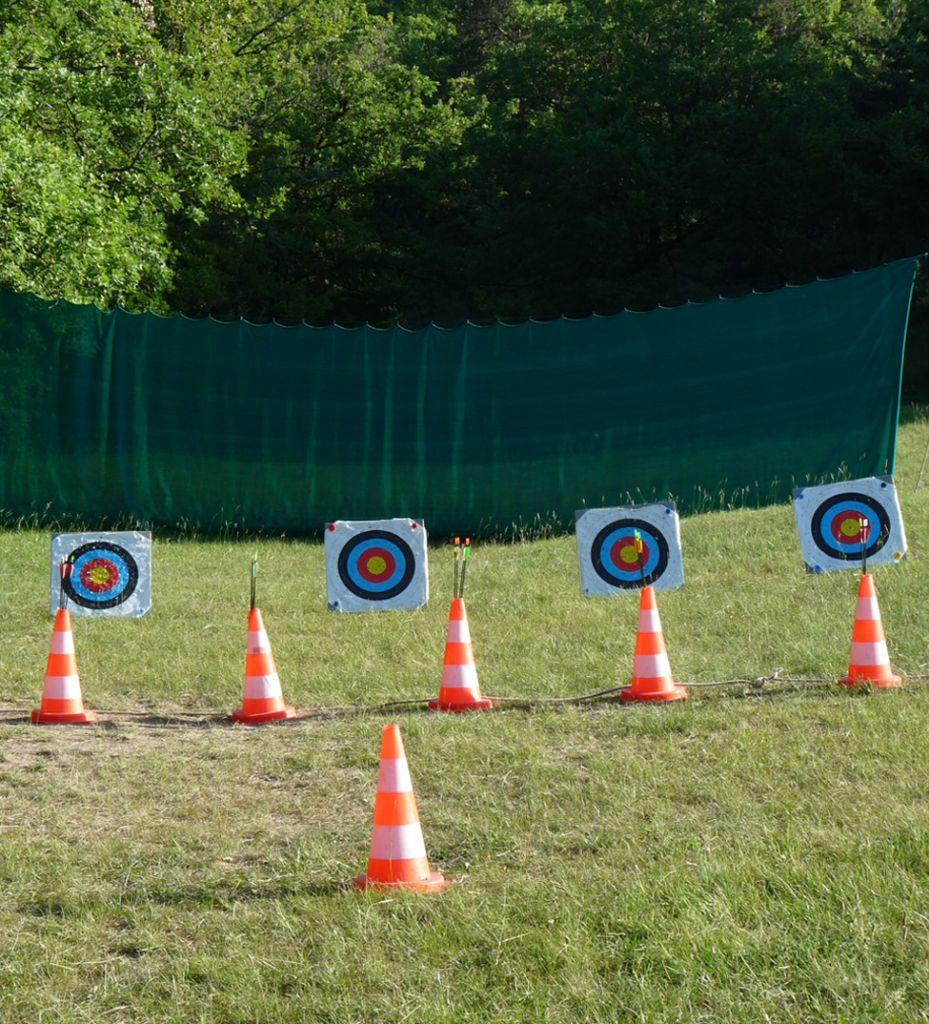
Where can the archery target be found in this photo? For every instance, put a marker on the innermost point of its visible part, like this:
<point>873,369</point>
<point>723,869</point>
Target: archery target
<point>111,573</point>
<point>829,521</point>
<point>376,565</point>
<point>607,552</point>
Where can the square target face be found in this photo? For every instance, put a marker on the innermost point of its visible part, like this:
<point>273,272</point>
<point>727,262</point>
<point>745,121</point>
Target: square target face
<point>376,565</point>
<point>612,561</point>
<point>111,573</point>
<point>841,524</point>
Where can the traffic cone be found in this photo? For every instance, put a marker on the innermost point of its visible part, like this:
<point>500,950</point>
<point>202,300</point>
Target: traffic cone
<point>263,700</point>
<point>459,690</point>
<point>869,662</point>
<point>651,670</point>
<point>398,854</point>
<point>61,697</point>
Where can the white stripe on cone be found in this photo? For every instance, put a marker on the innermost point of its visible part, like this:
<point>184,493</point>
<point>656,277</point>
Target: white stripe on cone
<point>459,677</point>
<point>258,643</point>
<point>458,631</point>
<point>649,621</point>
<point>62,688</point>
<point>868,609</point>
<point>651,666</point>
<point>393,776</point>
<point>262,687</point>
<point>62,643</point>
<point>398,842</point>
<point>871,653</point>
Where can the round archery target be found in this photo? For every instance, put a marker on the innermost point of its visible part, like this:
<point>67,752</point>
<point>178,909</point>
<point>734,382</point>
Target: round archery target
<point>103,575</point>
<point>616,561</point>
<point>837,530</point>
<point>376,565</point>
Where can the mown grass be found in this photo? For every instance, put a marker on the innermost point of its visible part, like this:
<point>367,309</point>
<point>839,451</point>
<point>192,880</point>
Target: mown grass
<point>743,857</point>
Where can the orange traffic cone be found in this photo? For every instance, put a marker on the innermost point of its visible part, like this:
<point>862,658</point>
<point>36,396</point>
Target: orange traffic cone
<point>869,662</point>
<point>651,670</point>
<point>459,690</point>
<point>61,698</point>
<point>263,700</point>
<point>398,854</point>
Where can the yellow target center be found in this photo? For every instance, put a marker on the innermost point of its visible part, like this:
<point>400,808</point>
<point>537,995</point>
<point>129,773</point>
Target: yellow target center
<point>851,527</point>
<point>377,566</point>
<point>99,575</point>
<point>629,554</point>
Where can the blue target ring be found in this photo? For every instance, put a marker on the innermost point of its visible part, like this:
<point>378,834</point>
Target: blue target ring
<point>830,517</point>
<point>376,565</point>
<point>103,575</point>
<point>608,548</point>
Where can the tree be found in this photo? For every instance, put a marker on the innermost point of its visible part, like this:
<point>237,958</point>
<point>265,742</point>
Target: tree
<point>106,133</point>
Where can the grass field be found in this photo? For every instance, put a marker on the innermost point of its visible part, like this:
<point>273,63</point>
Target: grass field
<point>744,857</point>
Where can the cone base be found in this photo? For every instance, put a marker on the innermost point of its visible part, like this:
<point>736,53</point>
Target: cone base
<point>484,704</point>
<point>436,882</point>
<point>40,717</point>
<point>628,695</point>
<point>264,716</point>
<point>890,683</point>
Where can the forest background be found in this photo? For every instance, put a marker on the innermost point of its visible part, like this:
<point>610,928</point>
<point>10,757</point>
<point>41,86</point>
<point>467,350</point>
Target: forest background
<point>446,160</point>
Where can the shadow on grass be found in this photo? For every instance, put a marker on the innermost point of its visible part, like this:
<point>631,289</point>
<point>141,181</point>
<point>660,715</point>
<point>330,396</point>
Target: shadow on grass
<point>225,895</point>
<point>113,720</point>
<point>25,718</point>
<point>220,896</point>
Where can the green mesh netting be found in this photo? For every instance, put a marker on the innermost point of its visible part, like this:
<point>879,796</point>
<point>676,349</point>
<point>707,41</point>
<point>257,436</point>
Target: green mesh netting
<point>113,415</point>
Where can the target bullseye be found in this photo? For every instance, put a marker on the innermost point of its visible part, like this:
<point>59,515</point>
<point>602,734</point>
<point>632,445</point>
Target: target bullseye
<point>100,575</point>
<point>849,528</point>
<point>376,564</point>
<point>624,553</point>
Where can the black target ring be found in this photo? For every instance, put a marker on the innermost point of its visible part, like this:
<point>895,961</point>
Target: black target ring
<point>403,571</point>
<point>119,588</point>
<point>872,508</point>
<point>657,561</point>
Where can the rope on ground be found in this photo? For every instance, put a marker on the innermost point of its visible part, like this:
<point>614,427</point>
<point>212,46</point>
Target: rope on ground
<point>759,682</point>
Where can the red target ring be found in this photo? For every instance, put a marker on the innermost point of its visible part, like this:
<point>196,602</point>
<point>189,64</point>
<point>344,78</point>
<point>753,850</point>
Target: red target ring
<point>376,565</point>
<point>626,546</point>
<point>99,575</point>
<point>846,528</point>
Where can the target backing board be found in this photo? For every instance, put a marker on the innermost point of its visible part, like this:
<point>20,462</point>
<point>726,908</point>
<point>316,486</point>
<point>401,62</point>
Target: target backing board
<point>607,552</point>
<point>828,518</point>
<point>111,573</point>
<point>376,565</point>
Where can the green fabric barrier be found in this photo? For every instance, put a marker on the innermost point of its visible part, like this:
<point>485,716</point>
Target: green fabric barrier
<point>106,416</point>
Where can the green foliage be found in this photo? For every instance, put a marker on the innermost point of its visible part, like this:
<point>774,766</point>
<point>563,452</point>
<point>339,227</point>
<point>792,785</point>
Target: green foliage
<point>441,158</point>
<point>334,114</point>
<point>106,134</point>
